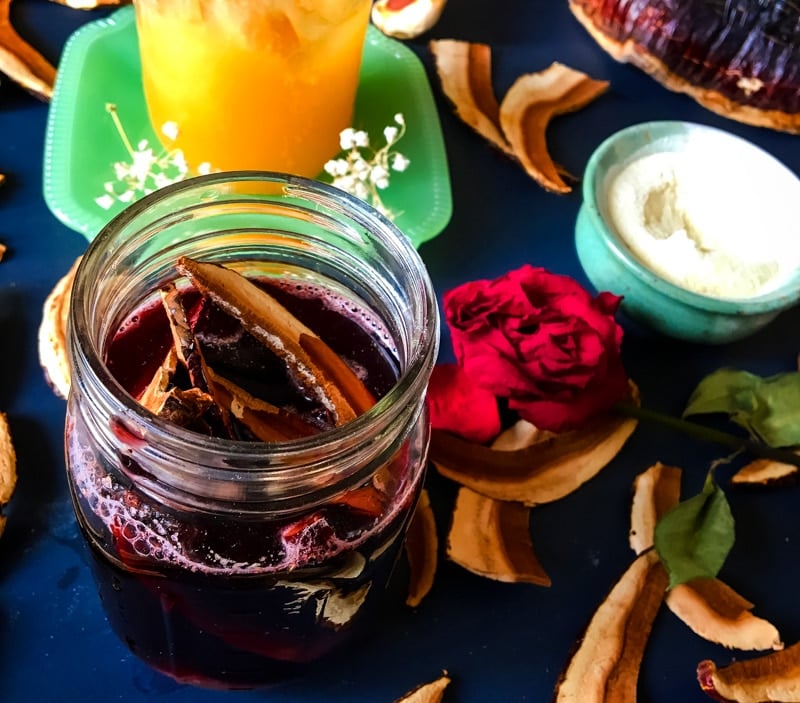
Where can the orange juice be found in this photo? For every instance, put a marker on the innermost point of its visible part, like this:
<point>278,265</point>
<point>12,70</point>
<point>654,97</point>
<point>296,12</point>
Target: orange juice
<point>252,84</point>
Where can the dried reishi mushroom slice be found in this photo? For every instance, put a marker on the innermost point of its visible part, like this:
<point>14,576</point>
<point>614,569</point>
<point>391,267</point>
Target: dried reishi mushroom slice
<point>422,550</point>
<point>655,492</point>
<point>770,677</point>
<point>8,468</point>
<point>717,613</point>
<point>492,538</point>
<point>52,335</point>
<point>317,368</point>
<point>605,666</point>
<point>21,62</point>
<point>406,19</point>
<point>528,107</point>
<point>465,72</point>
<point>544,472</point>
<point>432,692</point>
<point>765,472</point>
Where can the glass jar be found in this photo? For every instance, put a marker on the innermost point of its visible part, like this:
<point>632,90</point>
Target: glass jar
<point>234,563</point>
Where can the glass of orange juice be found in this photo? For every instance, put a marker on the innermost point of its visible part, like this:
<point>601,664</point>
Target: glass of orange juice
<point>252,84</point>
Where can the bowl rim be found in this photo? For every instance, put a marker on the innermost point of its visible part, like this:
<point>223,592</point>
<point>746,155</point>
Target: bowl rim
<point>778,298</point>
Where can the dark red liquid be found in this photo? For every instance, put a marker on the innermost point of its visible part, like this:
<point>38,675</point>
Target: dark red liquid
<point>223,600</point>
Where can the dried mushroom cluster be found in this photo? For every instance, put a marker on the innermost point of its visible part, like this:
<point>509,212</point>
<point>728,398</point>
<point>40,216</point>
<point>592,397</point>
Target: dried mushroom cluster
<point>517,125</point>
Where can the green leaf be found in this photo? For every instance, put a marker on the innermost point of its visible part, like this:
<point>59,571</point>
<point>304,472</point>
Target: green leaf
<point>694,538</point>
<point>768,408</point>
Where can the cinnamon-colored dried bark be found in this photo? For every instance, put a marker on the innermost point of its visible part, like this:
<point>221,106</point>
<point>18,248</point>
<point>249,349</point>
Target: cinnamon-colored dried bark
<point>21,62</point>
<point>717,613</point>
<point>8,468</point>
<point>492,538</point>
<point>548,470</point>
<point>316,367</point>
<point>422,551</point>
<point>655,492</point>
<point>528,107</point>
<point>770,677</point>
<point>605,666</point>
<point>432,692</point>
<point>465,71</point>
<point>740,60</point>
<point>159,385</point>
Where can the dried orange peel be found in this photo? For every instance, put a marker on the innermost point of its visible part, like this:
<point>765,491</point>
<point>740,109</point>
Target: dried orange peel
<point>518,125</point>
<point>8,468</point>
<point>421,547</point>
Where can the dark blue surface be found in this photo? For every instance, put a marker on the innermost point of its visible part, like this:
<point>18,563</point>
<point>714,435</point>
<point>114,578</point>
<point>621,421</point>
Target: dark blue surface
<point>500,642</point>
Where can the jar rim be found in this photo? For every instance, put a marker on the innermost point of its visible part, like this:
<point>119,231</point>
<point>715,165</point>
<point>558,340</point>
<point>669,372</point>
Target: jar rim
<point>268,459</point>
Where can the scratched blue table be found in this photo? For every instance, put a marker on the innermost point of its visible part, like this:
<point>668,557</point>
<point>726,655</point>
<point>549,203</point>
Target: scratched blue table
<point>500,642</point>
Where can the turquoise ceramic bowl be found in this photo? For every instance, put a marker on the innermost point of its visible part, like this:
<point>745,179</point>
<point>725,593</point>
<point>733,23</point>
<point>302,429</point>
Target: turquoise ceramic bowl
<point>648,297</point>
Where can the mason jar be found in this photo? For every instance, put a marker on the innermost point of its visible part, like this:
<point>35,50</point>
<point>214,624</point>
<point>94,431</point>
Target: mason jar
<point>234,562</point>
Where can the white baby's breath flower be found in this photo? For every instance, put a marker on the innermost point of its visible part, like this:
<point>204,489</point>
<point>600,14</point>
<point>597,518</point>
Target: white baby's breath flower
<point>362,171</point>
<point>147,171</point>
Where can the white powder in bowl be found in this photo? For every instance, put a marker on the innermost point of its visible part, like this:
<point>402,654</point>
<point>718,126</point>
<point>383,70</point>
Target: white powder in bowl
<point>710,218</point>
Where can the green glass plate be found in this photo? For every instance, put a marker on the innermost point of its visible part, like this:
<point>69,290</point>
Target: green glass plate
<point>100,64</point>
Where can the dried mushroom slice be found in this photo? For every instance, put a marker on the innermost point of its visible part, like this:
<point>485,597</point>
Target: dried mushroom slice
<point>605,666</point>
<point>655,492</point>
<point>771,677</point>
<point>52,336</point>
<point>492,538</point>
<point>528,107</point>
<point>422,551</point>
<point>8,468</point>
<point>465,72</point>
<point>432,692</point>
<point>21,62</point>
<point>406,19</point>
<point>546,471</point>
<point>717,613</point>
<point>737,59</point>
<point>765,472</point>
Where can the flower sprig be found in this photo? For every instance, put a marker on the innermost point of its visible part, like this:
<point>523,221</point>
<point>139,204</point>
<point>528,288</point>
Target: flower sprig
<point>147,170</point>
<point>363,171</point>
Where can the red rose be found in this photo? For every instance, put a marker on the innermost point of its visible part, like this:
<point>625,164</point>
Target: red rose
<point>541,341</point>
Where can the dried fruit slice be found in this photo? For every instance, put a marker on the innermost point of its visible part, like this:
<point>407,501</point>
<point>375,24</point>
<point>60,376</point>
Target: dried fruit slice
<point>8,468</point>
<point>737,59</point>
<point>655,491</point>
<point>771,677</point>
<point>432,692</point>
<point>605,666</point>
<point>21,62</point>
<point>422,551</point>
<point>492,538</point>
<point>528,107</point>
<point>717,613</point>
<point>406,19</point>
<point>52,337</point>
<point>765,472</point>
<point>465,71</point>
<point>317,368</point>
<point>546,471</point>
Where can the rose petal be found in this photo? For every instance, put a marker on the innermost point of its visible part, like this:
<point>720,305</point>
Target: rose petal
<point>456,404</point>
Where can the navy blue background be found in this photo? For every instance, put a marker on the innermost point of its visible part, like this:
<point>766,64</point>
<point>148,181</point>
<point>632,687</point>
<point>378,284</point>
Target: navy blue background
<point>500,642</point>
